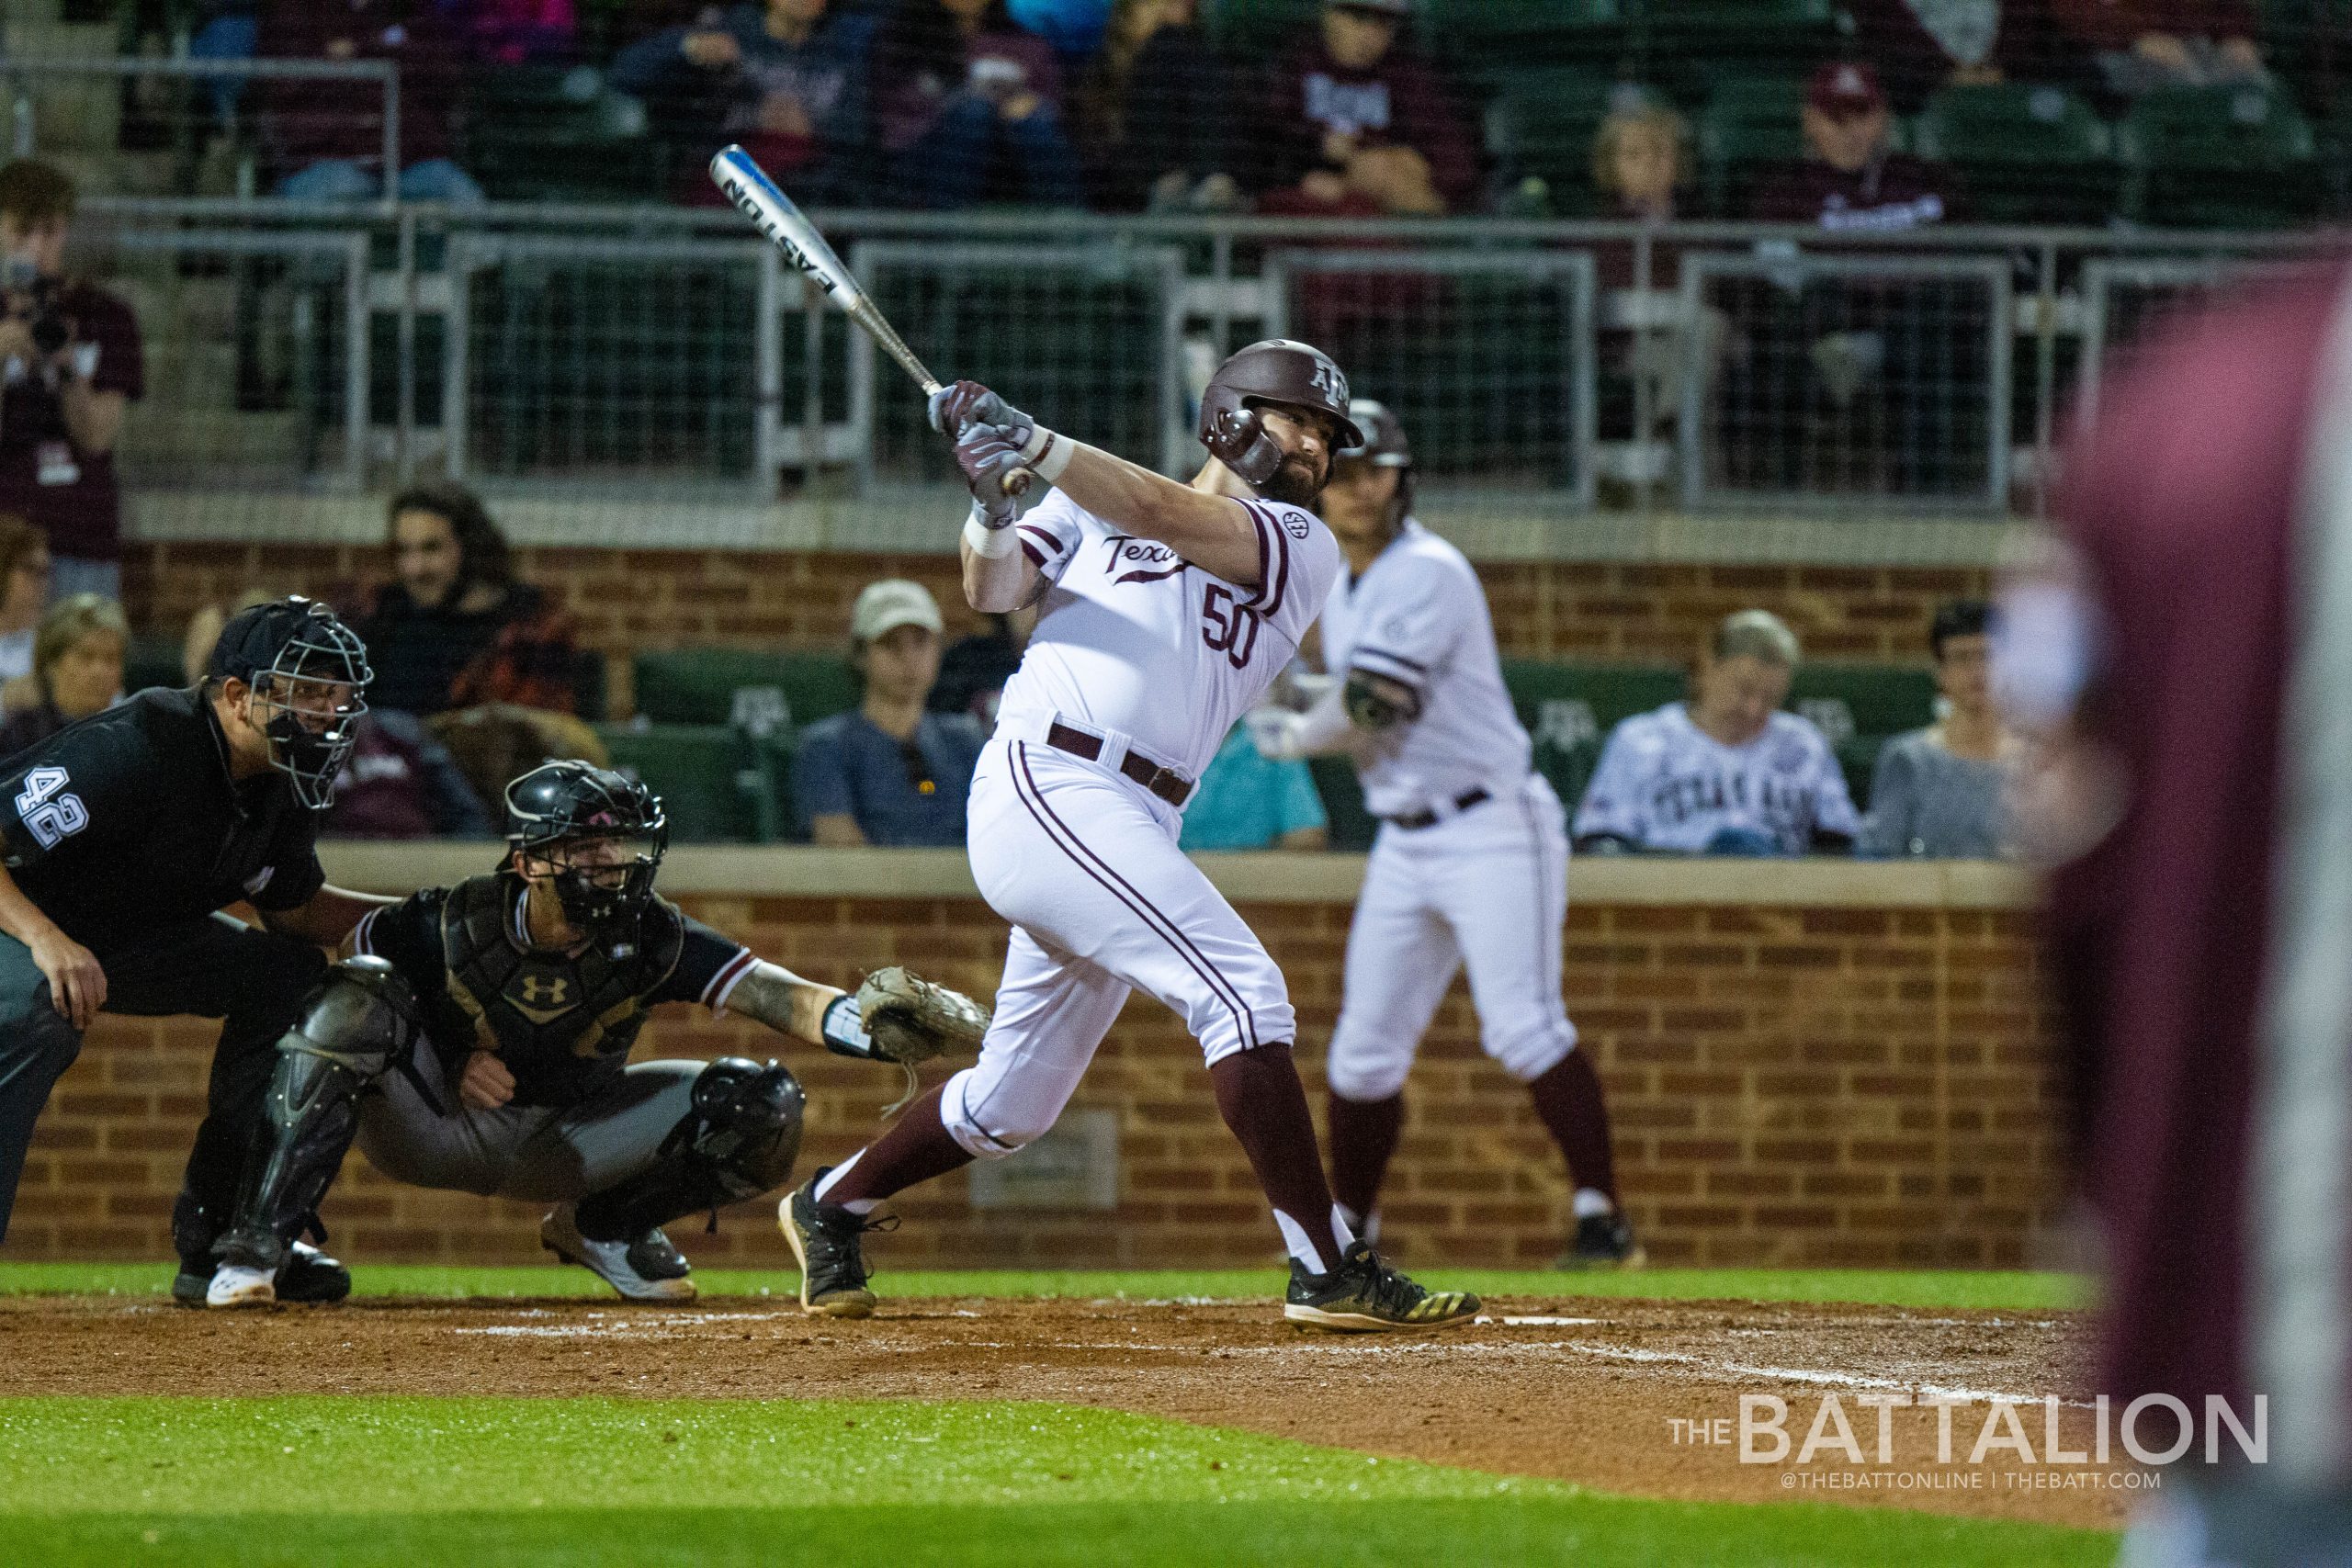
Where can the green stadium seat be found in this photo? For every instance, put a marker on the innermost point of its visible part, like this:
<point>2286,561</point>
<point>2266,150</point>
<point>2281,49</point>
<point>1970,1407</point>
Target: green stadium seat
<point>2218,157</point>
<point>1541,125</point>
<point>1352,827</point>
<point>1563,703</point>
<point>1261,29</point>
<point>1858,757</point>
<point>2029,154</point>
<point>1848,700</point>
<point>776,751</point>
<point>549,133</point>
<point>1569,768</point>
<point>1471,36</point>
<point>742,686</point>
<point>1694,45</point>
<point>713,779</point>
<point>1749,123</point>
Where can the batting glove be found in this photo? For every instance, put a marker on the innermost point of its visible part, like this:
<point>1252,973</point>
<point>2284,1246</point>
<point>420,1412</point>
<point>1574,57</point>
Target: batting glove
<point>1279,734</point>
<point>986,454</point>
<point>1237,438</point>
<point>955,409</point>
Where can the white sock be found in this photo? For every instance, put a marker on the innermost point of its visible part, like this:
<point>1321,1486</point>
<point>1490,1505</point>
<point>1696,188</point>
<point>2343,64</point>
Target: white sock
<point>832,1177</point>
<point>1294,1241</point>
<point>1346,1227</point>
<point>1592,1201</point>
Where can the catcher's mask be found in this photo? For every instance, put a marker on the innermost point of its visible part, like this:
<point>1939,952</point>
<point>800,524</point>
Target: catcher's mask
<point>602,834</point>
<point>309,676</point>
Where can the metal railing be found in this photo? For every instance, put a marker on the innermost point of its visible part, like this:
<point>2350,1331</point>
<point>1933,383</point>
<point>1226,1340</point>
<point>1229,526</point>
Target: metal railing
<point>1548,371</point>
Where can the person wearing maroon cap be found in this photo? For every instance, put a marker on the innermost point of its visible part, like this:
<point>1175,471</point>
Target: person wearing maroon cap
<point>1850,179</point>
<point>2182,669</point>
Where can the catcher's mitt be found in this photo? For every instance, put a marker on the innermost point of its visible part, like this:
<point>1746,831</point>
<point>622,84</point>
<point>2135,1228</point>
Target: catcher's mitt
<point>910,1021</point>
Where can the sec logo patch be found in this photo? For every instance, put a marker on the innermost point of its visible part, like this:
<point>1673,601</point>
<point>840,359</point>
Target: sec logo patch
<point>1294,526</point>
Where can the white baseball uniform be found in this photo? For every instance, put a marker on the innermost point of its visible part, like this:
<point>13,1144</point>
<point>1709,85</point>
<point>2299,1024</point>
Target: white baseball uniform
<point>1665,783</point>
<point>1156,658</point>
<point>1486,882</point>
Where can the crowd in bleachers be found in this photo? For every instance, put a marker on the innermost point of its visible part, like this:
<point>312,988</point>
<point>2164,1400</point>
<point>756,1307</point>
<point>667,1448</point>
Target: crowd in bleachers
<point>2042,110</point>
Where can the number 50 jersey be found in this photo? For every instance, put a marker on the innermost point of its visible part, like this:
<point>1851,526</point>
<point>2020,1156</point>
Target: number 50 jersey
<point>1130,637</point>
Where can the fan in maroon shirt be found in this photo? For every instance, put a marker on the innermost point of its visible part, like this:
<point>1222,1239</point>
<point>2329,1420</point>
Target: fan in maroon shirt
<point>2186,666</point>
<point>1355,126</point>
<point>1850,179</point>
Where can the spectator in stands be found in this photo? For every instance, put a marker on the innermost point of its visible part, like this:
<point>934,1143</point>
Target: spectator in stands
<point>1355,125</point>
<point>1641,157</point>
<point>2141,44</point>
<point>1924,46</point>
<point>1152,112</point>
<point>327,136</point>
<point>402,783</point>
<point>887,772</point>
<point>24,591</point>
<point>71,363</point>
<point>1642,163</point>
<point>787,79</point>
<point>455,629</point>
<point>77,666</point>
<point>1245,802</point>
<point>1850,178</point>
<point>1725,772</point>
<point>514,32</point>
<point>973,670</point>
<point>1938,792</point>
<point>969,109</point>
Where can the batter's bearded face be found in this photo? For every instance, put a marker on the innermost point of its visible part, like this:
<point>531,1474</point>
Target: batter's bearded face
<point>1308,438</point>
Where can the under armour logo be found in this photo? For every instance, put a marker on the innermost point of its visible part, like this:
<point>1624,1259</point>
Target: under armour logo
<point>545,990</point>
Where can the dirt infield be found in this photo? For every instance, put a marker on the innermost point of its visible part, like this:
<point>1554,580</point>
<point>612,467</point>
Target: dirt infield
<point>1582,1390</point>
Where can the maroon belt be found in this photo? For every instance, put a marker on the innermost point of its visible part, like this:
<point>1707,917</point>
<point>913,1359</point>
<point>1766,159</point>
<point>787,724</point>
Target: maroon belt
<point>1166,783</point>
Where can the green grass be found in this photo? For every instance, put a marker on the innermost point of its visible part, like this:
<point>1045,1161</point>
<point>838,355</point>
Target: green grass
<point>1991,1290</point>
<point>413,1481</point>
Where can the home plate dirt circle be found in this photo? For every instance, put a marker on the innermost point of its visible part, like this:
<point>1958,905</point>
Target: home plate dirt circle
<point>1625,1396</point>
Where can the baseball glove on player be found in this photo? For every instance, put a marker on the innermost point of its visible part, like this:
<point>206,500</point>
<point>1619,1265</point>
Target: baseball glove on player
<point>910,1021</point>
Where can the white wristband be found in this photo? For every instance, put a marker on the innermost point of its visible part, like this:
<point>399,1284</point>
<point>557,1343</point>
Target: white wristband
<point>1048,453</point>
<point>989,543</point>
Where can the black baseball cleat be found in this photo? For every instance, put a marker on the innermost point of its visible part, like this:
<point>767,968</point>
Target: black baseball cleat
<point>825,1239</point>
<point>1363,1295</point>
<point>649,1269</point>
<point>308,1276</point>
<point>1603,1241</point>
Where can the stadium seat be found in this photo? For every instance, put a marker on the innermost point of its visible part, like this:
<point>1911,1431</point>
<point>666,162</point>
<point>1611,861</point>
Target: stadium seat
<point>1749,123</point>
<point>712,779</point>
<point>1848,700</point>
<point>742,686</point>
<point>2029,154</point>
<point>1569,769</point>
<point>1694,45</point>
<point>549,133</point>
<point>1259,29</point>
<point>1563,704</point>
<point>1858,759</point>
<point>1352,827</point>
<point>1541,125</point>
<point>2218,157</point>
<point>1471,36</point>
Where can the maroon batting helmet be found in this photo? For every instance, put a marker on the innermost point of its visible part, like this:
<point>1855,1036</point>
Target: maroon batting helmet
<point>1280,371</point>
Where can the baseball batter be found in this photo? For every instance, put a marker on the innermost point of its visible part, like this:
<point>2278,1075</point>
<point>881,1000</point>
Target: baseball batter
<point>1471,865</point>
<point>1166,611</point>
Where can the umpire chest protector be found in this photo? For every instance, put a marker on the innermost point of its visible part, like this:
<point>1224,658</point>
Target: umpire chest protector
<point>557,1021</point>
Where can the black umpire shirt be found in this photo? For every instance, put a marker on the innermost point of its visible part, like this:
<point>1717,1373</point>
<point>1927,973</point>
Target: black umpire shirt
<point>127,822</point>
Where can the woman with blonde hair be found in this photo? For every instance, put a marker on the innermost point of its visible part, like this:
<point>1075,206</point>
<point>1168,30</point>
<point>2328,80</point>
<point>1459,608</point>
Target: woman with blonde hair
<point>78,657</point>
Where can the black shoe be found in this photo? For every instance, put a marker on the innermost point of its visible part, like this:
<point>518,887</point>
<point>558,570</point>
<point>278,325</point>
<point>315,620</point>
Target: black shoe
<point>647,1269</point>
<point>824,1238</point>
<point>1603,1241</point>
<point>1363,1295</point>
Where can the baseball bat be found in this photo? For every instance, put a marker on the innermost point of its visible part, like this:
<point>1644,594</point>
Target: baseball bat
<point>775,215</point>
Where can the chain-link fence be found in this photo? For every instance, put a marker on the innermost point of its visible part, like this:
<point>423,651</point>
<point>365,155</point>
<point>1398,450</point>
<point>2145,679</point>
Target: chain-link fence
<point>1545,371</point>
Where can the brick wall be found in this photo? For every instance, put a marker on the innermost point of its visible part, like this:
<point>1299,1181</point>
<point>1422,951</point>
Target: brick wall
<point>1826,1086</point>
<point>630,600</point>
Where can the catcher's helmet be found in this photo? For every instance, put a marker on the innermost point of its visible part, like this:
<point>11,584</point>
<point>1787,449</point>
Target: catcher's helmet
<point>1279,370</point>
<point>566,802</point>
<point>272,647</point>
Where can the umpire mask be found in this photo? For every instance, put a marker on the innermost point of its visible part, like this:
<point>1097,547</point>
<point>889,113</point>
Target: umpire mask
<point>603,833</point>
<point>309,675</point>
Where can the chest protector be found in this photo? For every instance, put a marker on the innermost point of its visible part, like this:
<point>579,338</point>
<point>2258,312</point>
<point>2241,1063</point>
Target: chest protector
<point>537,1010</point>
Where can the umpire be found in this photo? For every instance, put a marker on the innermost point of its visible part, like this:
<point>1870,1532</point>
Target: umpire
<point>126,835</point>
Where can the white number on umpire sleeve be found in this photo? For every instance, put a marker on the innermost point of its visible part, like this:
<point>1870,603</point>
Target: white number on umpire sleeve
<point>51,817</point>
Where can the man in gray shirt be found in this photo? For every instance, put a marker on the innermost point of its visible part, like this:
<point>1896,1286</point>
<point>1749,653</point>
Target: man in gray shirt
<point>1936,792</point>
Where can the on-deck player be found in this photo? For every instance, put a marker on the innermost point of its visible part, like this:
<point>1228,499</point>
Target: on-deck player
<point>1471,865</point>
<point>1166,611</point>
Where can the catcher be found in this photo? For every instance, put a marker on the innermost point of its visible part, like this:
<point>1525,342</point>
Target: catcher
<point>477,1037</point>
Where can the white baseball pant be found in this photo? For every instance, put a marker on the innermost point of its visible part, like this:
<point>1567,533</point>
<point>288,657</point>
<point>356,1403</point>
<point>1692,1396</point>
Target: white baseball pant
<point>1488,885</point>
<point>1085,865</point>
